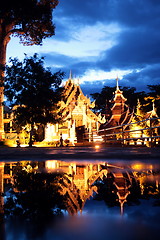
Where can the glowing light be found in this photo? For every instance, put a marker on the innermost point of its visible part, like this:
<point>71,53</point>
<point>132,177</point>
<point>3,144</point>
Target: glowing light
<point>51,164</point>
<point>97,146</point>
<point>137,166</point>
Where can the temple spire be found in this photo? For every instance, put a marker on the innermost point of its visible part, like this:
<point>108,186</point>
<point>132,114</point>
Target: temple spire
<point>153,106</point>
<point>117,88</point>
<point>70,74</point>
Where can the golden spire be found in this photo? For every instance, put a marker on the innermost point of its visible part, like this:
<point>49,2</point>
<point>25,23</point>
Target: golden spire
<point>117,88</point>
<point>70,74</point>
<point>153,106</point>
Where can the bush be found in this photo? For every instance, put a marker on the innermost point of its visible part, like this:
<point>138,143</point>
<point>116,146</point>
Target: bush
<point>2,143</point>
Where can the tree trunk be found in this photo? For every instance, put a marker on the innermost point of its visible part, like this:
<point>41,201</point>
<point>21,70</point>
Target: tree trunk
<point>3,46</point>
<point>31,136</point>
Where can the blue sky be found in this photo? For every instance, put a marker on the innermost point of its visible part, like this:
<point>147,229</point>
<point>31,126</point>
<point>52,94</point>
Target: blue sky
<point>100,40</point>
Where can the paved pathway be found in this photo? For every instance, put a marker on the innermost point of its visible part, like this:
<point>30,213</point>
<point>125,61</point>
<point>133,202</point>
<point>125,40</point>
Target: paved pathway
<point>79,153</point>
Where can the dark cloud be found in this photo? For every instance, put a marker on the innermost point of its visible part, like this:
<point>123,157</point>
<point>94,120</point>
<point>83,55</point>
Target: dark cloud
<point>150,75</point>
<point>134,12</point>
<point>137,46</point>
<point>54,58</point>
<point>92,87</point>
<point>96,86</point>
<point>127,12</point>
<point>83,11</point>
<point>66,63</point>
<point>80,67</point>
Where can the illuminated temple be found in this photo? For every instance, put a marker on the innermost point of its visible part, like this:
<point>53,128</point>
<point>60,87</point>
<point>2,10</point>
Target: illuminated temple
<point>120,114</point>
<point>80,124</point>
<point>78,119</point>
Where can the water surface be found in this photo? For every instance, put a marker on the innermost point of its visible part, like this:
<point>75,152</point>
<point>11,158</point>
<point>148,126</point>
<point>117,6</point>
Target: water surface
<point>98,200</point>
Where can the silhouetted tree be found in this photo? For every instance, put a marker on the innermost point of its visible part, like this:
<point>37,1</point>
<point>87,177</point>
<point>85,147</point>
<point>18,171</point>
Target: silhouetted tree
<point>102,100</point>
<point>133,96</point>
<point>33,90</point>
<point>31,20</point>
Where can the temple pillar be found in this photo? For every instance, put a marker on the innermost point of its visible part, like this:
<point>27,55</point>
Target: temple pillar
<point>72,132</point>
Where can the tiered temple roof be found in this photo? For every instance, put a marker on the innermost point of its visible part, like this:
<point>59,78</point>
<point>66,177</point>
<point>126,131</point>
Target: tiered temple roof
<point>120,111</point>
<point>78,119</point>
<point>73,96</point>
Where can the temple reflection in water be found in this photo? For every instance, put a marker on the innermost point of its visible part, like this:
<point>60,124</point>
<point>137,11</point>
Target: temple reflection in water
<point>80,180</point>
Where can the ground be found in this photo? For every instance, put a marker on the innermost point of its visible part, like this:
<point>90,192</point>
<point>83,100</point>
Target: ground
<point>79,153</point>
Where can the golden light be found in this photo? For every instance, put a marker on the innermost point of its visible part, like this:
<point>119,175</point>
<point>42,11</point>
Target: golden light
<point>51,164</point>
<point>137,166</point>
<point>97,146</point>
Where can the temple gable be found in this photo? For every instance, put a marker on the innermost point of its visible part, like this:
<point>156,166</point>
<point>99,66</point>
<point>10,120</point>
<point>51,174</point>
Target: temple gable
<point>78,118</point>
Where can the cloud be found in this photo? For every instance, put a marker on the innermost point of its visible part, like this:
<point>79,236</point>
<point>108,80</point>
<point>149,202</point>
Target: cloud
<point>140,79</point>
<point>100,39</point>
<point>135,45</point>
<point>84,42</point>
<point>136,48</point>
<point>92,74</point>
<point>95,86</point>
<point>86,12</point>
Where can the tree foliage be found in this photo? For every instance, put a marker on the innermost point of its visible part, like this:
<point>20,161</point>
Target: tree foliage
<point>102,99</point>
<point>33,90</point>
<point>31,20</point>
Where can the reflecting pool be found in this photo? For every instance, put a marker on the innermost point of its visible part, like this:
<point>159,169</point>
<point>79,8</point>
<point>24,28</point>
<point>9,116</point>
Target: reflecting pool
<point>53,199</point>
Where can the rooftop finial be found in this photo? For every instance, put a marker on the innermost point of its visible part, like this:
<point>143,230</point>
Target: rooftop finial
<point>153,106</point>
<point>70,74</point>
<point>117,83</point>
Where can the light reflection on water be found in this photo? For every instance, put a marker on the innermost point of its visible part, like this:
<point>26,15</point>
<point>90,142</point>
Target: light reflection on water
<point>97,220</point>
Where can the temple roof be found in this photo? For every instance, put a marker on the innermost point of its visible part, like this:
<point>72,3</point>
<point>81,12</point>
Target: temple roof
<point>74,97</point>
<point>120,111</point>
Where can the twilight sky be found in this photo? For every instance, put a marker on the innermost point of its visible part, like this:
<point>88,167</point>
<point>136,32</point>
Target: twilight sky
<point>102,39</point>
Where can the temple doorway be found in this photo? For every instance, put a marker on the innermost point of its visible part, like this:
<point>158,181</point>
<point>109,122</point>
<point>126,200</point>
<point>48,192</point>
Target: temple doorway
<point>80,133</point>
